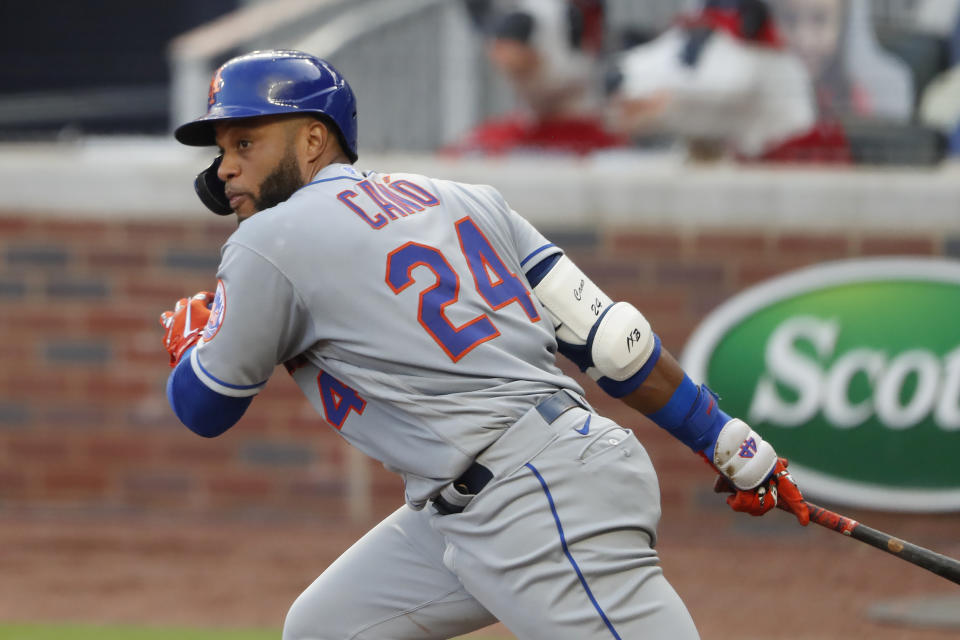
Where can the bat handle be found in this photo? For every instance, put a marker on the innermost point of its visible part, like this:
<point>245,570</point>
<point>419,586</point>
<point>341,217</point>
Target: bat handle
<point>828,519</point>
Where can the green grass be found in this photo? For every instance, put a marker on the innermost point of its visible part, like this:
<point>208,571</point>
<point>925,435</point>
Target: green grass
<point>94,632</point>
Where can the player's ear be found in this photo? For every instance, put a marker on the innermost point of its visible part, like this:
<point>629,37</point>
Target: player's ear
<point>317,137</point>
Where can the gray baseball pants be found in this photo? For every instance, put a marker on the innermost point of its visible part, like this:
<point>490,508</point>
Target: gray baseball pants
<point>558,546</point>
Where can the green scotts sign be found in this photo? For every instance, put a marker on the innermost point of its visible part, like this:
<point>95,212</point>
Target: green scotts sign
<point>851,370</point>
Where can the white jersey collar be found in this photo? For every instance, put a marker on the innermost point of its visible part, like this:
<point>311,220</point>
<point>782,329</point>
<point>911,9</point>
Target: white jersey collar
<point>336,171</point>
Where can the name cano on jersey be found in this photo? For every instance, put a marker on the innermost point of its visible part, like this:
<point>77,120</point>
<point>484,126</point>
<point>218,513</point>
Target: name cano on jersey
<point>380,200</point>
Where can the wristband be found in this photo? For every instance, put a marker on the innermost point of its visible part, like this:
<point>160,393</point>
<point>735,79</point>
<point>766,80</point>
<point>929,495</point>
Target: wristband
<point>692,416</point>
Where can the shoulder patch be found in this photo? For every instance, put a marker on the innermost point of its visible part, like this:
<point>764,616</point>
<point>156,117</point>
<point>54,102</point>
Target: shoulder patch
<point>216,313</point>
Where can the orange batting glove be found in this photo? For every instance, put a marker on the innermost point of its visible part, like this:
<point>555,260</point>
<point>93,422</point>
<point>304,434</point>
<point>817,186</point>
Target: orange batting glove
<point>184,324</point>
<point>779,487</point>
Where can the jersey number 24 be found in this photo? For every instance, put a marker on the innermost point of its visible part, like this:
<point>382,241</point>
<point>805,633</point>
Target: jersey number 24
<point>494,281</point>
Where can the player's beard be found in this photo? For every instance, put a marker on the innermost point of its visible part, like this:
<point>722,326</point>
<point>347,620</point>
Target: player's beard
<point>281,183</point>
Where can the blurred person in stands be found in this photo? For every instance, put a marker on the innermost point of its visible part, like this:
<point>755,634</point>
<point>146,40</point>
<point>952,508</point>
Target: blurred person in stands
<point>852,74</point>
<point>722,82</point>
<point>548,50</point>
<point>940,101</point>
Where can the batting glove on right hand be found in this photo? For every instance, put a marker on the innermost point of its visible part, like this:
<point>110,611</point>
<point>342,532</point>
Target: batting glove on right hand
<point>779,488</point>
<point>184,324</point>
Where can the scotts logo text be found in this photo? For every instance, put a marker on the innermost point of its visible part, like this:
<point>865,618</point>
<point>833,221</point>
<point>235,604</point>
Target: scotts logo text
<point>851,370</point>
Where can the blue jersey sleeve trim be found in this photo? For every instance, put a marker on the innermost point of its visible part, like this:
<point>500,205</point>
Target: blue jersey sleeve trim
<point>332,179</point>
<point>692,416</point>
<point>540,270</point>
<point>239,387</point>
<point>202,410</point>
<point>535,252</point>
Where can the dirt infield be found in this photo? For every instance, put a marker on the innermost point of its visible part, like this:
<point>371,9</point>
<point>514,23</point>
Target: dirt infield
<point>742,578</point>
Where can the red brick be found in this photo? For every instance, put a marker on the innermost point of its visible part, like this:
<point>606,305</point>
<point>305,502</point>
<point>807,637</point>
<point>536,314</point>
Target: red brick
<point>674,334</point>
<point>752,272</point>
<point>50,318</point>
<point>12,483</point>
<point>35,384</point>
<point>199,451</point>
<point>605,271</point>
<point>116,259</point>
<point>150,482</point>
<point>113,386</point>
<point>118,449</point>
<point>900,245</point>
<point>76,480</point>
<point>239,484</point>
<point>307,424</point>
<point>21,351</point>
<point>216,232</point>
<point>73,230</point>
<point>316,486</point>
<point>652,301</point>
<point>732,245</point>
<point>13,226</point>
<point>658,243</point>
<point>824,246</point>
<point>89,414</point>
<point>36,448</point>
<point>282,387</point>
<point>145,347</point>
<point>113,320</point>
<point>137,233</point>
<point>155,288</point>
<point>689,274</point>
<point>163,290</point>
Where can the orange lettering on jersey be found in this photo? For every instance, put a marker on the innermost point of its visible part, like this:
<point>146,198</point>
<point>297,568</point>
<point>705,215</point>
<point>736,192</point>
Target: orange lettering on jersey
<point>415,192</point>
<point>395,198</point>
<point>346,197</point>
<point>385,205</point>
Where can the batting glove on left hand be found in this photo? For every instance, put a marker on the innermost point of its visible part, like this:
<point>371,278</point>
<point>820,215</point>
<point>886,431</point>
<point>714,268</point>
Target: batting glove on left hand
<point>184,324</point>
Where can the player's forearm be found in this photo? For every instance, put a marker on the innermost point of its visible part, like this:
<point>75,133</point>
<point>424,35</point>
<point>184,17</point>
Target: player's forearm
<point>659,386</point>
<point>691,414</point>
<point>674,402</point>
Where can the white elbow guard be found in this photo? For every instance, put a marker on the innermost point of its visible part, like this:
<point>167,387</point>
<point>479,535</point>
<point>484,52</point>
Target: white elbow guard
<point>742,455</point>
<point>622,339</point>
<point>572,299</point>
<point>622,343</point>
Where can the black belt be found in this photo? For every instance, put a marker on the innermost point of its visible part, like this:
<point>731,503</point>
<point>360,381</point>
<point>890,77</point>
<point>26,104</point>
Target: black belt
<point>477,476</point>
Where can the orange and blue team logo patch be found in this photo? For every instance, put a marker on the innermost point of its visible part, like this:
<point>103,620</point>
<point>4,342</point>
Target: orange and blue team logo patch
<point>216,83</point>
<point>747,449</point>
<point>216,313</point>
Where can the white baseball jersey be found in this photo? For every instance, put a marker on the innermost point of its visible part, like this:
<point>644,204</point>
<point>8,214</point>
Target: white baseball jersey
<point>400,306</point>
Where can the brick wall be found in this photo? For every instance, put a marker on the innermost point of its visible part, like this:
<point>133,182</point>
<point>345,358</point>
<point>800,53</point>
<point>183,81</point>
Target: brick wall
<point>84,422</point>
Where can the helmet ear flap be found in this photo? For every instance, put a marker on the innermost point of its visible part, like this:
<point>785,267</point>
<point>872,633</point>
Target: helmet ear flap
<point>211,189</point>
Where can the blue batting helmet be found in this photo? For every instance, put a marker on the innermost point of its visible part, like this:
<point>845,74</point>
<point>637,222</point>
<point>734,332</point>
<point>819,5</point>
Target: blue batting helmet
<point>265,83</point>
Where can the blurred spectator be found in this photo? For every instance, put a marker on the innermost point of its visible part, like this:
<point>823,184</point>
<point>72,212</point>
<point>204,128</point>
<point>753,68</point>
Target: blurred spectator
<point>719,79</point>
<point>548,50</point>
<point>938,17</point>
<point>940,101</point>
<point>852,74</point>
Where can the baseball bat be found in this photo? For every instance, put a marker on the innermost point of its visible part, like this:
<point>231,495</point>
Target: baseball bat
<point>932,561</point>
<point>937,563</point>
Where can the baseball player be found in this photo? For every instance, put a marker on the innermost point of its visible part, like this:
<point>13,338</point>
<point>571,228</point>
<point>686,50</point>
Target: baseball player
<point>422,318</point>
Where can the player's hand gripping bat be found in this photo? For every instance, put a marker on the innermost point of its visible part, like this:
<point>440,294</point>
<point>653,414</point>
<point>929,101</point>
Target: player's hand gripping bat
<point>930,560</point>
